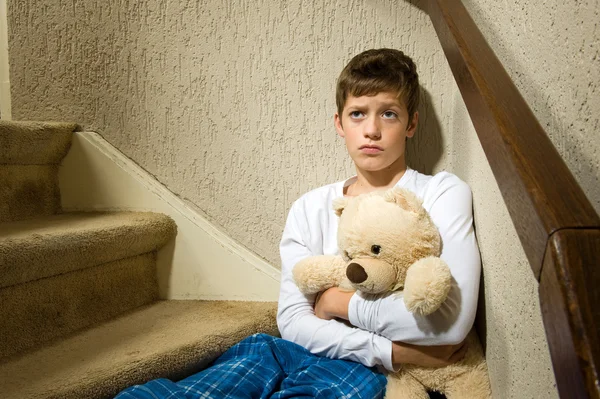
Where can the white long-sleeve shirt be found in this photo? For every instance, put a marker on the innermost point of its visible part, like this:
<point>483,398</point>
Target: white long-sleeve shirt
<point>311,229</point>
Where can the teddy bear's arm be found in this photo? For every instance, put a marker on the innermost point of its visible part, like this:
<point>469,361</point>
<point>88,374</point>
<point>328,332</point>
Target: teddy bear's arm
<point>318,273</point>
<point>427,284</point>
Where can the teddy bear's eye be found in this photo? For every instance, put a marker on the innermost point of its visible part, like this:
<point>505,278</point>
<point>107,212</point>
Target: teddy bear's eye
<point>376,249</point>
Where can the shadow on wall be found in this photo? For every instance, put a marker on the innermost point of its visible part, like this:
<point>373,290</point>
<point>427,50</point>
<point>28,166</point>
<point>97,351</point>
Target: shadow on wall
<point>480,323</point>
<point>420,4</point>
<point>424,150</point>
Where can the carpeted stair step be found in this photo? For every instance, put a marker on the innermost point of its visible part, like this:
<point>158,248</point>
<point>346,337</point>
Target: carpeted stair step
<point>167,339</point>
<point>34,143</point>
<point>30,153</point>
<point>44,247</point>
<point>61,273</point>
<point>43,310</point>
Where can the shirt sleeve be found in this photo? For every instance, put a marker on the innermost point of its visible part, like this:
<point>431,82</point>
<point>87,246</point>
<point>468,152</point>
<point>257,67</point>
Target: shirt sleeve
<point>450,206</point>
<point>296,319</point>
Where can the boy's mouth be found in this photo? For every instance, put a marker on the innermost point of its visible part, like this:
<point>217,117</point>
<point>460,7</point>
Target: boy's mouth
<point>370,149</point>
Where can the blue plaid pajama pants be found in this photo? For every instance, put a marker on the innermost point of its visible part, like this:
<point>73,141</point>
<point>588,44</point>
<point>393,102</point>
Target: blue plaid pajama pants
<point>265,367</point>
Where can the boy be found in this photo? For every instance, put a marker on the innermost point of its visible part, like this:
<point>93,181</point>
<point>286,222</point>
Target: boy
<point>377,98</point>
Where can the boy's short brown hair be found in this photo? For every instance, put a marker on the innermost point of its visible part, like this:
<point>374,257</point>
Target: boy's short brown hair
<point>378,70</point>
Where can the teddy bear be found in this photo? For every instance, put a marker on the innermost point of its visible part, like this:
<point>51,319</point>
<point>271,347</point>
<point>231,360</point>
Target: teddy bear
<point>388,243</point>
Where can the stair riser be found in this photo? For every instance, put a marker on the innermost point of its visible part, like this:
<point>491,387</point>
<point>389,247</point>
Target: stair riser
<point>42,310</point>
<point>28,191</point>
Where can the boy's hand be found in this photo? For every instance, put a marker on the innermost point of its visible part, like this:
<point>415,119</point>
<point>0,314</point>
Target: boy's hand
<point>427,356</point>
<point>333,303</point>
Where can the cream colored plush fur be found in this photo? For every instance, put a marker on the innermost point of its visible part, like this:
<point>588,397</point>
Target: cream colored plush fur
<point>388,243</point>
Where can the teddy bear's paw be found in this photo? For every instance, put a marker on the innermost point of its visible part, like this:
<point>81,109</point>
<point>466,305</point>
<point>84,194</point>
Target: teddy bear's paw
<point>317,273</point>
<point>427,284</point>
<point>404,386</point>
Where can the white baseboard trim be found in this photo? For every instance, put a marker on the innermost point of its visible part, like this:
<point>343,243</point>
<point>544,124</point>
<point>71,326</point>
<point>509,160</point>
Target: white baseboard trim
<point>201,263</point>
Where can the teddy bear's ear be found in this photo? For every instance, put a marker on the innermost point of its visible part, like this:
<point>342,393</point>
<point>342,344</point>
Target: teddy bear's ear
<point>404,198</point>
<point>339,204</point>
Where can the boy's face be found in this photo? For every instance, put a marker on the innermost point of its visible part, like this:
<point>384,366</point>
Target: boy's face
<point>375,129</point>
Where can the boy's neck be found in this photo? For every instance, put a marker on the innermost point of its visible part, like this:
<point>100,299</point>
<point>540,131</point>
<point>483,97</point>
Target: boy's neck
<point>367,182</point>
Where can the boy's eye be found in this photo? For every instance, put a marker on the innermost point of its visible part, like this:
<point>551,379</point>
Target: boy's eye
<point>356,114</point>
<point>389,115</point>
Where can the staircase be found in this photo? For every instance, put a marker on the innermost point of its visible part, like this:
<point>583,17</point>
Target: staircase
<point>80,315</point>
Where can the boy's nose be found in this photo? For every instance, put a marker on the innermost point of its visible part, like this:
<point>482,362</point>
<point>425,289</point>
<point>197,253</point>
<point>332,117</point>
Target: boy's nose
<point>372,130</point>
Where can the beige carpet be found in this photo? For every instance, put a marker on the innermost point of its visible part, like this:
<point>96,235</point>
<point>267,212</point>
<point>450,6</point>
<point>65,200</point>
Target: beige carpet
<point>43,247</point>
<point>29,156</point>
<point>168,339</point>
<point>53,307</point>
<point>27,191</point>
<point>34,143</point>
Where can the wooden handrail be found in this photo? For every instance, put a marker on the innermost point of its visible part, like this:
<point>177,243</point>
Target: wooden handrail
<point>557,225</point>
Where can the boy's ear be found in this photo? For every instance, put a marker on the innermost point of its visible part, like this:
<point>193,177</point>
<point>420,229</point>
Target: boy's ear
<point>337,121</point>
<point>412,127</point>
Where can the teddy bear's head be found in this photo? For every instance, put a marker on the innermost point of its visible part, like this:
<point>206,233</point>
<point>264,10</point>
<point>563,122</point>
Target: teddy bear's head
<point>380,235</point>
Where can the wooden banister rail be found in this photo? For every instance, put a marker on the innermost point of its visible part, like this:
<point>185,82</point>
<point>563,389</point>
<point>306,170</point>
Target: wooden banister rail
<point>557,225</point>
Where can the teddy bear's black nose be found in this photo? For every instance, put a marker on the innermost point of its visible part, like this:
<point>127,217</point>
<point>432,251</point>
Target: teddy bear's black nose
<point>356,273</point>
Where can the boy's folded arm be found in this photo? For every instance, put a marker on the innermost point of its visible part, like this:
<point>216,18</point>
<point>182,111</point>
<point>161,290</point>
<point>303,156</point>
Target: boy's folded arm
<point>297,322</point>
<point>451,211</point>
<point>333,339</point>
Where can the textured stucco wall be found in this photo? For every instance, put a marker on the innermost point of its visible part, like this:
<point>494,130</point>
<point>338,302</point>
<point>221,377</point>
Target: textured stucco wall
<point>229,104</point>
<point>231,108</point>
<point>551,50</point>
